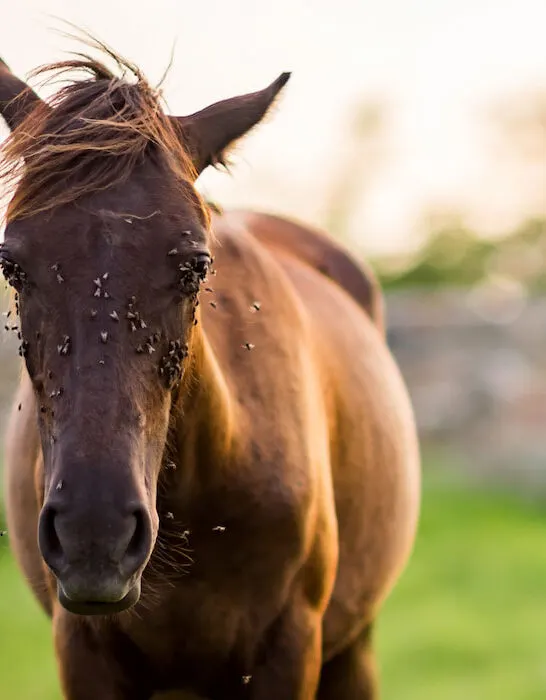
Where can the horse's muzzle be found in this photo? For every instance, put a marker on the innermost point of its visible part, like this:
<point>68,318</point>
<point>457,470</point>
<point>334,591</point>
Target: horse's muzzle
<point>97,558</point>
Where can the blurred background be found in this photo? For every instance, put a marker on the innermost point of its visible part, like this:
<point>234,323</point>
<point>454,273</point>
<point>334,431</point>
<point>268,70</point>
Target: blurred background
<point>415,132</point>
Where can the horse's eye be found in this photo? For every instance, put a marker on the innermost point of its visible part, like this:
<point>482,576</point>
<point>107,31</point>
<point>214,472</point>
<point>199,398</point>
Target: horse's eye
<point>201,264</point>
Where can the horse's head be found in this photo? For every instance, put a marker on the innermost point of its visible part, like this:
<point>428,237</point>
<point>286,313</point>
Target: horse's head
<point>106,245</point>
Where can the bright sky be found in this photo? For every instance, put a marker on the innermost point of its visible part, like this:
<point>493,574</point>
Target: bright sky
<point>437,62</point>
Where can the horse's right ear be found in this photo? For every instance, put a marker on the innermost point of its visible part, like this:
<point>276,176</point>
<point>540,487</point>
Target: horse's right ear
<point>209,134</point>
<point>17,99</point>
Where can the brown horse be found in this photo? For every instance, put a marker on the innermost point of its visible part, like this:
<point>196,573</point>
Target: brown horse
<point>210,489</point>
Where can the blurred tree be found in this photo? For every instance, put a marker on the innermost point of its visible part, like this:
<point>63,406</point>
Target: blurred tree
<point>455,256</point>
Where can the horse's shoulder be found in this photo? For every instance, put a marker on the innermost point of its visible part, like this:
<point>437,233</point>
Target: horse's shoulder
<point>313,247</point>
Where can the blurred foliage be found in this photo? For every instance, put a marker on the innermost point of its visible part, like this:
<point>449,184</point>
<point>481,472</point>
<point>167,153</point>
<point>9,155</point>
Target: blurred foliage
<point>455,256</point>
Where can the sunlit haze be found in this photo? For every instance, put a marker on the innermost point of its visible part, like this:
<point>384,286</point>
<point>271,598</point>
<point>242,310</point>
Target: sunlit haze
<point>436,65</point>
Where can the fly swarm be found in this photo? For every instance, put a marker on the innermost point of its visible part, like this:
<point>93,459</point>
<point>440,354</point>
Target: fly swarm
<point>170,365</point>
<point>99,291</point>
<point>23,348</point>
<point>192,274</point>
<point>188,280</point>
<point>65,347</point>
<point>13,273</point>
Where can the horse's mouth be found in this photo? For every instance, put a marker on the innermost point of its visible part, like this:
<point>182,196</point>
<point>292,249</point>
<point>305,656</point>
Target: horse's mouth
<point>98,607</point>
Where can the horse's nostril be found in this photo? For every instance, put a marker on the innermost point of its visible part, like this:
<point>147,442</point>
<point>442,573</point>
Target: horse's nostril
<point>88,544</point>
<point>139,546</point>
<point>48,539</point>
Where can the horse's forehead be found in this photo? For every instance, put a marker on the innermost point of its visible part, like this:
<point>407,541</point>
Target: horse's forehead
<point>126,224</point>
<point>129,234</point>
<point>86,232</point>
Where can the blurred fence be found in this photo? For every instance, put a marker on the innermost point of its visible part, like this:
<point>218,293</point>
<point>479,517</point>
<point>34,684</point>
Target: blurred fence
<point>476,372</point>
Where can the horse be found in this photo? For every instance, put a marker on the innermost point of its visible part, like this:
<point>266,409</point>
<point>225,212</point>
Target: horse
<point>212,470</point>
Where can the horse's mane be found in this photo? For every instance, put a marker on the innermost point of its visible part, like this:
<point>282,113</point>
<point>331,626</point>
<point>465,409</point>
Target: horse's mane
<point>89,136</point>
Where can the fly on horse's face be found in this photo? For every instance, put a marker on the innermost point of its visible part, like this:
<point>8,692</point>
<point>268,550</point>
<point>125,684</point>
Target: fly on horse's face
<point>106,257</point>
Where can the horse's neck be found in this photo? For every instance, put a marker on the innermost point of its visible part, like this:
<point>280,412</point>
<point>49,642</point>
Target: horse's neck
<point>205,414</point>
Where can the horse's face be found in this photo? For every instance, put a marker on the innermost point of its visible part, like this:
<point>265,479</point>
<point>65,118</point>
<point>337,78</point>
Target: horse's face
<point>107,287</point>
<point>107,294</point>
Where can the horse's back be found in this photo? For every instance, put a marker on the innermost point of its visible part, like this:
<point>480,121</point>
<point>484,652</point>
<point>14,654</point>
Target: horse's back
<point>318,250</point>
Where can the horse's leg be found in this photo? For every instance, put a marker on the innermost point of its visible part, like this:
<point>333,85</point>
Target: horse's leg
<point>351,675</point>
<point>90,666</point>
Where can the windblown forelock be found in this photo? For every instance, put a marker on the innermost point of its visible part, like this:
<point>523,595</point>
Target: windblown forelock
<point>89,137</point>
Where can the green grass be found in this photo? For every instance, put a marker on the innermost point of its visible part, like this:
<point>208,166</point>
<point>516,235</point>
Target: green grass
<point>27,666</point>
<point>467,619</point>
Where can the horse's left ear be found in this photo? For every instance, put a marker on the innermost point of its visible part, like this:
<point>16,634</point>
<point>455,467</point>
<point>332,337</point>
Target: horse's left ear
<point>209,133</point>
<point>17,99</point>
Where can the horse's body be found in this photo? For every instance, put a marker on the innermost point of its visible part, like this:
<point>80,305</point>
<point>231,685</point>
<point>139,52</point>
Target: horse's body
<point>295,492</point>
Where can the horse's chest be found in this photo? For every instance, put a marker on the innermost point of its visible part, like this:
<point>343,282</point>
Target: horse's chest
<point>196,635</point>
<point>212,620</point>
